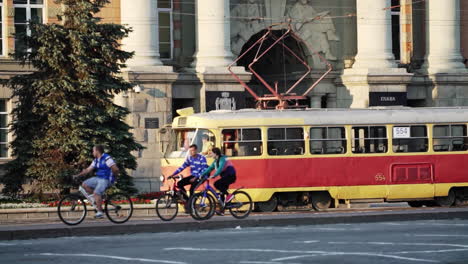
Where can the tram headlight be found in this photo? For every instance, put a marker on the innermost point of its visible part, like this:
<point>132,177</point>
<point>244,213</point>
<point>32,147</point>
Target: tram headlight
<point>161,178</point>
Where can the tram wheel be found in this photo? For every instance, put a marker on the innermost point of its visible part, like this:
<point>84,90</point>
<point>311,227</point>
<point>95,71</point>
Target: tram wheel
<point>320,200</point>
<point>268,206</point>
<point>446,201</point>
<point>415,203</point>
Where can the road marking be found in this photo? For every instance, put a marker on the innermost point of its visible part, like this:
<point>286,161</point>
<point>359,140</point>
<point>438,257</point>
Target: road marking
<point>265,262</point>
<point>7,244</point>
<point>400,244</point>
<point>383,256</point>
<point>302,252</point>
<point>463,247</point>
<point>358,254</point>
<point>294,257</point>
<point>440,235</point>
<point>109,257</point>
<point>432,251</point>
<point>424,224</point>
<point>307,241</point>
<point>247,250</point>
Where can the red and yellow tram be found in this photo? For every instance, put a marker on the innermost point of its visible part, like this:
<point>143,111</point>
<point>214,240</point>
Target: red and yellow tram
<point>323,157</point>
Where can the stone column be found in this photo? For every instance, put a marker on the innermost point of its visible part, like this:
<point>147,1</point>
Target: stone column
<point>331,100</point>
<point>142,17</point>
<point>316,101</point>
<point>213,35</point>
<point>406,31</point>
<point>375,70</point>
<point>443,53</point>
<point>374,35</point>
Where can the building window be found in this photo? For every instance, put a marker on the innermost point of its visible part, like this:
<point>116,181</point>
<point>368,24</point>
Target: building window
<point>26,10</point>
<point>450,138</point>
<point>410,139</point>
<point>242,142</point>
<point>327,140</point>
<point>369,139</point>
<point>396,29</point>
<point>165,29</point>
<point>286,141</point>
<point>3,129</point>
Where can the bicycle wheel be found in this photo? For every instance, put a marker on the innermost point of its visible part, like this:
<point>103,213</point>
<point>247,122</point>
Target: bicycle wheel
<point>241,205</point>
<point>119,208</point>
<point>202,207</point>
<point>72,209</point>
<point>167,207</point>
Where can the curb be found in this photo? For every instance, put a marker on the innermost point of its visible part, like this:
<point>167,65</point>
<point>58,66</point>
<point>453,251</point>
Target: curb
<point>132,227</point>
<point>8,215</point>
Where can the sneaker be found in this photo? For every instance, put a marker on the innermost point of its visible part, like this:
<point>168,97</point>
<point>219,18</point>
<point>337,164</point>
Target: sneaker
<point>99,215</point>
<point>229,198</point>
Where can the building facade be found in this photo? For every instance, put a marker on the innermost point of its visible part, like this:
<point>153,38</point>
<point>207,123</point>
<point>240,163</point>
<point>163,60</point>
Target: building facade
<point>383,52</point>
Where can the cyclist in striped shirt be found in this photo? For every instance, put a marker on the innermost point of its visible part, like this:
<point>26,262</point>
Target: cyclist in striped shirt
<point>197,164</point>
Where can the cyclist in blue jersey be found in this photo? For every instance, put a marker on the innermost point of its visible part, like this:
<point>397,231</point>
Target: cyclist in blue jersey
<point>106,172</point>
<point>197,164</point>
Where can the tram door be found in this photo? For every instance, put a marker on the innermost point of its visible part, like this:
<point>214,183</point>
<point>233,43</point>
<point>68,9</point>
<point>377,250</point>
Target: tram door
<point>411,181</point>
<point>413,176</point>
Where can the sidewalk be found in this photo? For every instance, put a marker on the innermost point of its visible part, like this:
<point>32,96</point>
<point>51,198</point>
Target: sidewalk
<point>153,225</point>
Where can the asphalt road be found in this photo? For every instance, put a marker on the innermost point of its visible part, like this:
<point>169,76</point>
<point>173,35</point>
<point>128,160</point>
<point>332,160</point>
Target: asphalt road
<point>430,241</point>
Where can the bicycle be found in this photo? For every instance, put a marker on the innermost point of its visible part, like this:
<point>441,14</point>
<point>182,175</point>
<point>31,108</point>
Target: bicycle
<point>203,204</point>
<point>72,209</point>
<point>167,206</point>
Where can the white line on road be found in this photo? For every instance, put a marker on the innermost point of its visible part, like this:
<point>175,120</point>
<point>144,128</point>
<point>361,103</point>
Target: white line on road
<point>300,252</point>
<point>246,250</point>
<point>358,254</point>
<point>401,244</point>
<point>440,235</point>
<point>383,256</point>
<point>423,224</point>
<point>307,241</point>
<point>294,257</point>
<point>108,257</point>
<point>431,251</point>
<point>265,262</point>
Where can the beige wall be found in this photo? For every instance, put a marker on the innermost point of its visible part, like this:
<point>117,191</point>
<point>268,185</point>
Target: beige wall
<point>464,28</point>
<point>111,13</point>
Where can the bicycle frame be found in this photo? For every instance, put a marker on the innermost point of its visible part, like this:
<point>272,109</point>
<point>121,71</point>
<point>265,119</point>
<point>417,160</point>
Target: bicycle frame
<point>210,189</point>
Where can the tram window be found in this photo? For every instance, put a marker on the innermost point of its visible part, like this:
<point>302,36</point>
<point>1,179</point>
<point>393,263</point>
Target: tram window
<point>327,140</point>
<point>369,139</point>
<point>450,138</point>
<point>242,142</point>
<point>410,139</point>
<point>285,141</point>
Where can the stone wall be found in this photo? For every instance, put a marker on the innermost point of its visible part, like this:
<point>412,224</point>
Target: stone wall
<point>153,102</point>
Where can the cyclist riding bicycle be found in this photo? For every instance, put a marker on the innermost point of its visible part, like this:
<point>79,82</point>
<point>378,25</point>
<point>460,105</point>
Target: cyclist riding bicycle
<point>197,164</point>
<point>106,172</point>
<point>225,169</point>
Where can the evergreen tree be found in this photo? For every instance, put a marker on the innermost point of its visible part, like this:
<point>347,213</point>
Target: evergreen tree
<point>66,106</point>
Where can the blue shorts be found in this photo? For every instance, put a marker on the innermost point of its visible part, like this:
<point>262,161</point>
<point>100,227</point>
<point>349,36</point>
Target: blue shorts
<point>98,184</point>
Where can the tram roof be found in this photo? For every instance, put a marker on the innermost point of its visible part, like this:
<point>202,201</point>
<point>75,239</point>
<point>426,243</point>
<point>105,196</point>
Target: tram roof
<point>338,116</point>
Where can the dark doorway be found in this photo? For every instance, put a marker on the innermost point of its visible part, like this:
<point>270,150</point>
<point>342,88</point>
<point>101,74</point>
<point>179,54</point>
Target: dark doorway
<point>278,65</point>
